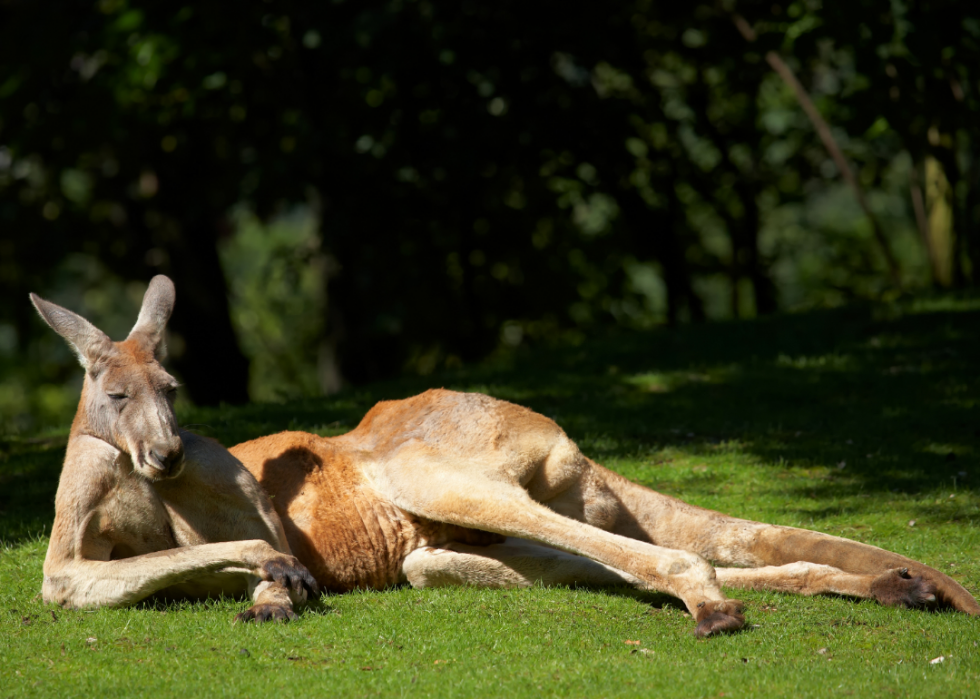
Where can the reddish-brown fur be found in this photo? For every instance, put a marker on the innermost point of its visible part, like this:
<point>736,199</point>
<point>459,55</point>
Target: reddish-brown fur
<point>439,470</point>
<point>347,535</point>
<point>143,509</point>
<point>439,489</point>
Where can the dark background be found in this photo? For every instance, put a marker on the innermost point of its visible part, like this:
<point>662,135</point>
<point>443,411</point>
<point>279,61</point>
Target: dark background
<point>343,191</point>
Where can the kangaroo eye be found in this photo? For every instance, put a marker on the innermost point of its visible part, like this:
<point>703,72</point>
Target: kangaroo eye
<point>118,396</point>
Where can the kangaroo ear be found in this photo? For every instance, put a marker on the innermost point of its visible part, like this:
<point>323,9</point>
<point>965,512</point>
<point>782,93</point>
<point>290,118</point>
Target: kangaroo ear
<point>158,303</point>
<point>88,341</point>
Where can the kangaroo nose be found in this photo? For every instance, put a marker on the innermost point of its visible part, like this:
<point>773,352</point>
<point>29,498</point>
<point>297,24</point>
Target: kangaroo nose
<point>170,460</point>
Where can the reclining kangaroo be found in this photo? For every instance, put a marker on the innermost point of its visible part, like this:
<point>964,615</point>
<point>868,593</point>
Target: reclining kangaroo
<point>441,489</point>
<point>143,509</point>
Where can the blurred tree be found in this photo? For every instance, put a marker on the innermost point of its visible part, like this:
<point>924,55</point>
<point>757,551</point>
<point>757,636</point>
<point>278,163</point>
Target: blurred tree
<point>107,115</point>
<point>481,174</point>
<point>907,73</point>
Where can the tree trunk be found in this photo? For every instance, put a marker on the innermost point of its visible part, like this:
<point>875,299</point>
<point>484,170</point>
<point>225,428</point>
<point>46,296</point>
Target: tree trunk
<point>970,221</point>
<point>661,240</point>
<point>763,287</point>
<point>212,364</point>
<point>922,223</point>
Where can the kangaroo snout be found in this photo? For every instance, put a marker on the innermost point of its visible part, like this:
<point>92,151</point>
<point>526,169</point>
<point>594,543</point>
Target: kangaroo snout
<point>168,460</point>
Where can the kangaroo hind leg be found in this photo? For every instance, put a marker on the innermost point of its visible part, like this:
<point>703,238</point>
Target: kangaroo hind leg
<point>474,499</point>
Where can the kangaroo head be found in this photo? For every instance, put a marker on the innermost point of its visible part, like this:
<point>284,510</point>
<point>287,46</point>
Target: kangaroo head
<point>127,396</point>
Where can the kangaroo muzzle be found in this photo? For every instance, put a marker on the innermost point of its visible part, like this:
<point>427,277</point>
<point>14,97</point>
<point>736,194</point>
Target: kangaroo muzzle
<point>166,460</point>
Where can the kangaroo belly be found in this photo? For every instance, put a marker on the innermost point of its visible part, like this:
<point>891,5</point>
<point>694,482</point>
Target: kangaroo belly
<point>336,524</point>
<point>346,536</point>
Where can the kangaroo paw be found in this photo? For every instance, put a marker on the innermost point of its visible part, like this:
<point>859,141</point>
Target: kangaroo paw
<point>719,617</point>
<point>291,574</point>
<point>267,612</point>
<point>897,588</point>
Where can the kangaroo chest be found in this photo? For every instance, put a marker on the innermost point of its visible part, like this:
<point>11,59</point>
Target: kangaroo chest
<point>343,531</point>
<point>336,525</point>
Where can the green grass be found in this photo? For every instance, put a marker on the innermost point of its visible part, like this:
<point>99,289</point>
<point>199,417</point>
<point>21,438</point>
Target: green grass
<point>857,422</point>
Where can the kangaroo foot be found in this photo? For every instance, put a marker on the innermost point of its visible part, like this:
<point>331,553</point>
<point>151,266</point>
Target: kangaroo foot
<point>897,588</point>
<point>718,617</point>
<point>267,612</point>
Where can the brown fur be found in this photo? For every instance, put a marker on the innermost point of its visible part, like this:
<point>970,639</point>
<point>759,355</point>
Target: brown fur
<point>347,535</point>
<point>714,618</point>
<point>897,588</point>
<point>407,493</point>
<point>143,509</point>
<point>442,488</point>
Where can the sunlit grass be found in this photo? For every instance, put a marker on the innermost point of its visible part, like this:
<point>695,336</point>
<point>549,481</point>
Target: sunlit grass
<point>858,422</point>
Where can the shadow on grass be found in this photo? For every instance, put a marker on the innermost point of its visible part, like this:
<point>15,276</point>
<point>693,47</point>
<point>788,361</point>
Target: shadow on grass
<point>29,470</point>
<point>886,404</point>
<point>870,399</point>
<point>318,606</point>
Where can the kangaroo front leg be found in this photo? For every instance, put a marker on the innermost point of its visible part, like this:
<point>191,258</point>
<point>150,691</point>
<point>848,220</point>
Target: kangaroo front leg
<point>894,588</point>
<point>276,598</point>
<point>85,583</point>
<point>272,601</point>
<point>651,516</point>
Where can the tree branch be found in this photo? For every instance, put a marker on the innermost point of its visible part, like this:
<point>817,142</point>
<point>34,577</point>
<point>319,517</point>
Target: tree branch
<point>823,130</point>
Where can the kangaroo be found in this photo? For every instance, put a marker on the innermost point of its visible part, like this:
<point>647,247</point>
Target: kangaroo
<point>450,488</point>
<point>145,509</point>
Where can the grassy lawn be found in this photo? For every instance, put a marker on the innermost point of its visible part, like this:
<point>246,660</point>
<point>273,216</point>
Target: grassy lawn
<point>862,422</point>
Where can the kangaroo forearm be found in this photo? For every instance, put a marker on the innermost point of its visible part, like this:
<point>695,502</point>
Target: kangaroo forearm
<point>799,578</point>
<point>780,545</point>
<point>733,541</point>
<point>88,583</point>
<point>730,541</point>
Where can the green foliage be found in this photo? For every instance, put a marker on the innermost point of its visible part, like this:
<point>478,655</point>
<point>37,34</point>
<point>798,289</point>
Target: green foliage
<point>484,176</point>
<point>276,274</point>
<point>40,377</point>
<point>861,421</point>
